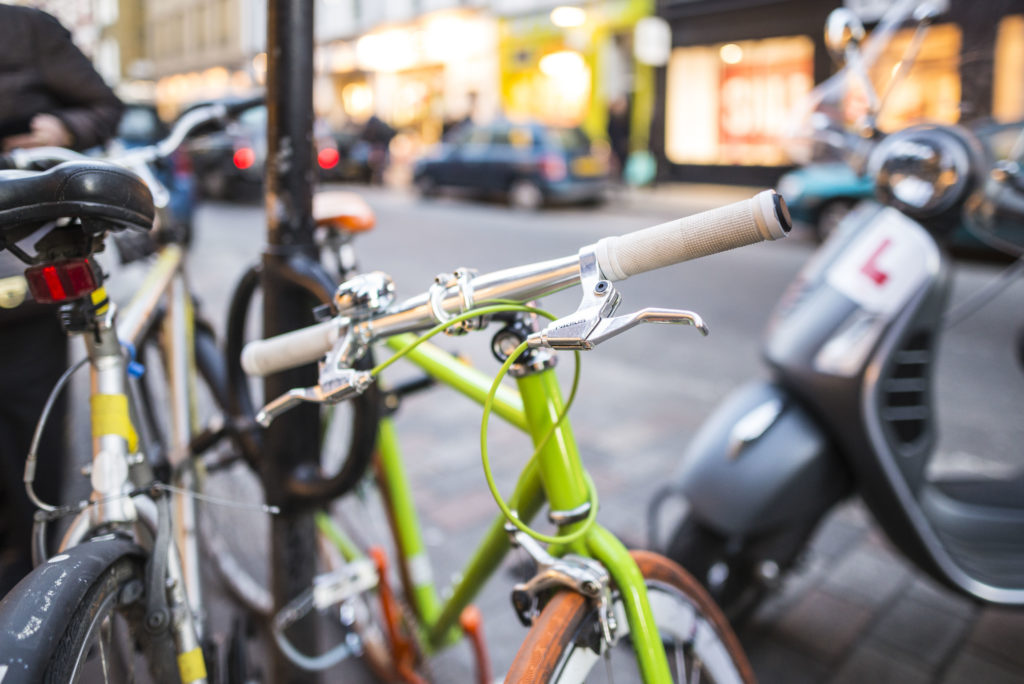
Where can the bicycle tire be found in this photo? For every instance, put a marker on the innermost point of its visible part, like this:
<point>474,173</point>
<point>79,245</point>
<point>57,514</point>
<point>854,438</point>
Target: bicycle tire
<point>560,645</point>
<point>75,656</point>
<point>365,409</point>
<point>702,552</point>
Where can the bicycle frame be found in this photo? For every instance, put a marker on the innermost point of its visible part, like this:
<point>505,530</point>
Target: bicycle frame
<point>557,476</point>
<point>115,470</point>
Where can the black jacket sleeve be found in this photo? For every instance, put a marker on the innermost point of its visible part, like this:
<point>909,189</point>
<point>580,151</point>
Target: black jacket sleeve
<point>88,107</point>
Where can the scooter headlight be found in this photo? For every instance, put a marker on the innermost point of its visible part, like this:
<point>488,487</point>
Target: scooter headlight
<point>924,171</point>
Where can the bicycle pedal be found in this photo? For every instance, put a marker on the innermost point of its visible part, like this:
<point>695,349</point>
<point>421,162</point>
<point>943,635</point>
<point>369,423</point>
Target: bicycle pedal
<point>352,579</point>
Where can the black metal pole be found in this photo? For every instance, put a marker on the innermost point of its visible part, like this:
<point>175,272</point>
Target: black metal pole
<point>291,443</point>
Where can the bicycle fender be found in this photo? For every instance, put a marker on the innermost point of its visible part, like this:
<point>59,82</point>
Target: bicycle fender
<point>760,462</point>
<point>34,614</point>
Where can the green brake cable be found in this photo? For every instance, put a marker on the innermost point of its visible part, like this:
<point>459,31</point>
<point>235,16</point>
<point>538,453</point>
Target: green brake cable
<point>500,306</point>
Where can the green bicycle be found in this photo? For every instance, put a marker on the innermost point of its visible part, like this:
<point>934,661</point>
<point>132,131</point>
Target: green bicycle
<point>591,600</point>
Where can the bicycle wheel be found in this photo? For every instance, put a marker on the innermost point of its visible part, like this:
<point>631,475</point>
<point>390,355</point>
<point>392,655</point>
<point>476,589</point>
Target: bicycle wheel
<point>349,428</point>
<point>95,629</point>
<point>565,644</point>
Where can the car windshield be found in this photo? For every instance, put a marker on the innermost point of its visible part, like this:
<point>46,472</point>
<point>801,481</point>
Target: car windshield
<point>569,139</point>
<point>139,125</point>
<point>254,119</point>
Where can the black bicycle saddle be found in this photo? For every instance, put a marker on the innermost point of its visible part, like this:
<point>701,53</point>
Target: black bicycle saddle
<point>77,189</point>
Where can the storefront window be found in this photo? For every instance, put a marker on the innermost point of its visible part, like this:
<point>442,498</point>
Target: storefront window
<point>729,103</point>
<point>930,90</point>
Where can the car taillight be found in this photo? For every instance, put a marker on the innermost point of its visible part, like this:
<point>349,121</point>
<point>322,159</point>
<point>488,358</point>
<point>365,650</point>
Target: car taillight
<point>182,163</point>
<point>552,167</point>
<point>61,281</point>
<point>244,157</point>
<point>328,158</point>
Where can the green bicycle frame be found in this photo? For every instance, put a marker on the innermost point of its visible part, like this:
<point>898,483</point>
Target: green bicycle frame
<point>556,475</point>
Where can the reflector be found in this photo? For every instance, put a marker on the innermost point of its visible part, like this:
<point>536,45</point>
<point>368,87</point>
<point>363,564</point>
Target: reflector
<point>61,281</point>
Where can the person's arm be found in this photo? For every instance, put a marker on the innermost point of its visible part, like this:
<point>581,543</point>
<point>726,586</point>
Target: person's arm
<point>90,111</point>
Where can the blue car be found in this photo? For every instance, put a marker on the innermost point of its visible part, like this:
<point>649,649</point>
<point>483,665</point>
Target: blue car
<point>821,194</point>
<point>529,164</point>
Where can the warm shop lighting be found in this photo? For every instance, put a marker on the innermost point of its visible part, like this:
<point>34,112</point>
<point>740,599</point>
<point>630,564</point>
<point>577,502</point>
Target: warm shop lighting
<point>357,100</point>
<point>568,17</point>
<point>731,53</point>
<point>563,65</point>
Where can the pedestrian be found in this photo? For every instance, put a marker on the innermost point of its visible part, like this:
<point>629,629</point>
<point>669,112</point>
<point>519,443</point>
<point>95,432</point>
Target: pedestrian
<point>618,133</point>
<point>50,95</point>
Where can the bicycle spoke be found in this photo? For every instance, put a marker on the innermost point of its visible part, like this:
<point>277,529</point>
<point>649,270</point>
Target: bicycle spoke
<point>106,630</point>
<point>695,669</point>
<point>608,664</point>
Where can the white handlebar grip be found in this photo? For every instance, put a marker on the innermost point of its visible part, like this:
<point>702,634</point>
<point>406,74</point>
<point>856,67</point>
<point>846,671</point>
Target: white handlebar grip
<point>762,217</point>
<point>296,348</point>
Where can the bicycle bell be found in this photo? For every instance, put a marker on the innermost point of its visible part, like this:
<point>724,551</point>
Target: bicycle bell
<point>365,294</point>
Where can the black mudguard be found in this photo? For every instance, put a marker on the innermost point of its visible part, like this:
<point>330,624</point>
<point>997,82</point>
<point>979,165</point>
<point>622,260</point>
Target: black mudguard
<point>788,475</point>
<point>34,613</point>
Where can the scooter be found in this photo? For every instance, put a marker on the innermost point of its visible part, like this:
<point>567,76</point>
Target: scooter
<point>849,406</point>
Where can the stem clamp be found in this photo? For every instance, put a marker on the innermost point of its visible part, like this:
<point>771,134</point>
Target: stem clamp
<point>461,278</point>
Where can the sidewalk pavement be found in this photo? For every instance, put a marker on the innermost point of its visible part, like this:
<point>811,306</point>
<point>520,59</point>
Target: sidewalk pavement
<point>857,612</point>
<point>690,197</point>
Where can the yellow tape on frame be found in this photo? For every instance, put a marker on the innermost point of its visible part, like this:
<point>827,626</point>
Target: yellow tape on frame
<point>191,666</point>
<point>110,417</point>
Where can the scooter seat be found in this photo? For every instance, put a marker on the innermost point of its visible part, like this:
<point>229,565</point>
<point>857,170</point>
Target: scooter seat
<point>77,189</point>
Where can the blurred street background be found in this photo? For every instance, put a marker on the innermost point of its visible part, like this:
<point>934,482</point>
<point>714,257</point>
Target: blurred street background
<point>624,113</point>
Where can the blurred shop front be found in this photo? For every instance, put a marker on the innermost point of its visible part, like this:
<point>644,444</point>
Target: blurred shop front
<point>415,76</point>
<point>739,69</point>
<point>573,65</point>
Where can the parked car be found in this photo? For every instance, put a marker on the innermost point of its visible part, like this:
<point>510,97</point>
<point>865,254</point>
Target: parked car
<point>230,163</point>
<point>530,164</point>
<point>141,125</point>
<point>343,156</point>
<point>820,194</point>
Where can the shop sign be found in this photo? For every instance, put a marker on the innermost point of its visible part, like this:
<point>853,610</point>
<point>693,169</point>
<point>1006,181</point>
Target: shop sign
<point>756,99</point>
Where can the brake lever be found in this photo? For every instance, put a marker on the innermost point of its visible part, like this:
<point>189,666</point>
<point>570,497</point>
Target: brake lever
<point>594,321</point>
<point>343,385</point>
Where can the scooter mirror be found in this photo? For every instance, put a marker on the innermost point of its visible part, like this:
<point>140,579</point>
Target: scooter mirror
<point>843,31</point>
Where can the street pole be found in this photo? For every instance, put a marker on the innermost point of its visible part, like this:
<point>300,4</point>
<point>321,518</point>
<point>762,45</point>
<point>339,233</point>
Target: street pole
<point>291,442</point>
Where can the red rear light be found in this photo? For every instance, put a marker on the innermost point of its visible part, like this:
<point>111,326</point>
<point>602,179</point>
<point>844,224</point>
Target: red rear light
<point>328,158</point>
<point>553,167</point>
<point>61,281</point>
<point>244,157</point>
<point>182,163</point>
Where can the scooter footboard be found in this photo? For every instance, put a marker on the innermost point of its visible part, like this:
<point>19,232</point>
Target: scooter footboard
<point>760,462</point>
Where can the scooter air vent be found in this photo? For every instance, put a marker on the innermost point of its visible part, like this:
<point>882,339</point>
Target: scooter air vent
<point>905,391</point>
